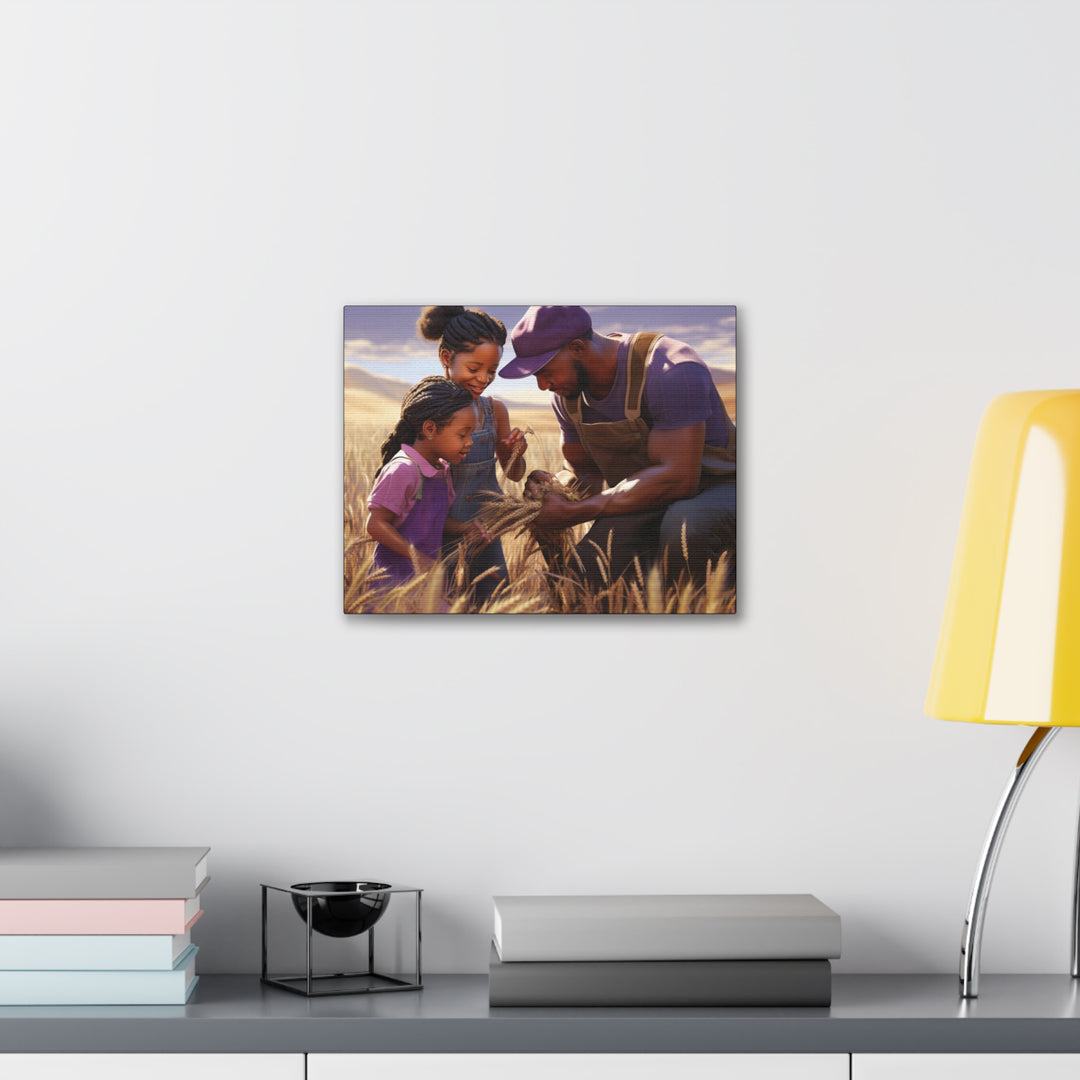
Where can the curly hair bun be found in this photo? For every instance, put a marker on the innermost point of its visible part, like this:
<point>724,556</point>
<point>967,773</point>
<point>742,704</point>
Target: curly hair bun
<point>434,320</point>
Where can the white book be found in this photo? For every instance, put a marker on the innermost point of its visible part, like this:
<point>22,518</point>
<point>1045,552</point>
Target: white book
<point>102,873</point>
<point>753,926</point>
<point>91,952</point>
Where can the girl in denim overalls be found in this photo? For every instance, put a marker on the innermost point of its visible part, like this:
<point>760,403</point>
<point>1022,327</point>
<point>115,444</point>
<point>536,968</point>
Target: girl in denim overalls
<point>470,347</point>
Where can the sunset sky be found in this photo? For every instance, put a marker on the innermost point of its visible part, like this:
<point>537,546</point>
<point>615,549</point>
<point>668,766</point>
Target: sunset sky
<point>384,341</point>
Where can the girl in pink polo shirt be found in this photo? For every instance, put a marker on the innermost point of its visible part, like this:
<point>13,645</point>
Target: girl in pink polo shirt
<point>412,493</point>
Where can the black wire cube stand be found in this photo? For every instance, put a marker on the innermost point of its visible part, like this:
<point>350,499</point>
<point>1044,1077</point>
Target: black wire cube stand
<point>316,905</point>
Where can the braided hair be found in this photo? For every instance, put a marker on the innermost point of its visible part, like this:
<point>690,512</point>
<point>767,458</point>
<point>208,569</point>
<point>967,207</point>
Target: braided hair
<point>433,398</point>
<point>460,329</point>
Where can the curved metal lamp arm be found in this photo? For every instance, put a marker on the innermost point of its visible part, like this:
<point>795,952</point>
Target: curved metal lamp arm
<point>971,944</point>
<point>1076,912</point>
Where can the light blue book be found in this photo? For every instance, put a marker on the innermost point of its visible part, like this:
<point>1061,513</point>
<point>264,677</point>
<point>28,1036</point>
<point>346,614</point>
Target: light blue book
<point>171,987</point>
<point>91,952</point>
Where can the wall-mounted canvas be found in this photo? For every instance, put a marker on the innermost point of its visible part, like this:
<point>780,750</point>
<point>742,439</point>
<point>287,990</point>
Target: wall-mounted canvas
<point>552,459</point>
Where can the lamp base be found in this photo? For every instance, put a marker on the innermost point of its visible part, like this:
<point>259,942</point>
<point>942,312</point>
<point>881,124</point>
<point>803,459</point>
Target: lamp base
<point>971,942</point>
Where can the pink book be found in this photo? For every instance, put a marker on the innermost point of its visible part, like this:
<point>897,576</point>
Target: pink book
<point>98,916</point>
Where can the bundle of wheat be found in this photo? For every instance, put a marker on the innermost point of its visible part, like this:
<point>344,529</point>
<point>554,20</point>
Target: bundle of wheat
<point>503,513</point>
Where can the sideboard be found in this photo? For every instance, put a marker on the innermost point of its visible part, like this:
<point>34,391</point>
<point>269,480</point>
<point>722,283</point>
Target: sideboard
<point>878,1027</point>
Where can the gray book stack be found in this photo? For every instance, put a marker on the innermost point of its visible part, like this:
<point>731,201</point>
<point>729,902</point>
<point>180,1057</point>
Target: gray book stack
<point>99,926</point>
<point>693,950</point>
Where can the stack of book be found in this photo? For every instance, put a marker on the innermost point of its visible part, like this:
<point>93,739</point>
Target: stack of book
<point>747,950</point>
<point>99,926</point>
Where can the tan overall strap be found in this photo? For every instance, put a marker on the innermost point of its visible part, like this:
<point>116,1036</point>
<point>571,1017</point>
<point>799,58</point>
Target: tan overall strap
<point>573,408</point>
<point>641,350</point>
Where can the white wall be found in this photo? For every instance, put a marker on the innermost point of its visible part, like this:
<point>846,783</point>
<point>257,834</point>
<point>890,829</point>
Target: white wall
<point>190,194</point>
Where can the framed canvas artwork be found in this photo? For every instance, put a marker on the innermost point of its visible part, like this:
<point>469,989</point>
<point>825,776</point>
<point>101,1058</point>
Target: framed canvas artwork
<point>553,459</point>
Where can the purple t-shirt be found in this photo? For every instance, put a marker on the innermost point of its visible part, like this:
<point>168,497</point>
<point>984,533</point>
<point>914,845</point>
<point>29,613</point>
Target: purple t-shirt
<point>679,392</point>
<point>398,484</point>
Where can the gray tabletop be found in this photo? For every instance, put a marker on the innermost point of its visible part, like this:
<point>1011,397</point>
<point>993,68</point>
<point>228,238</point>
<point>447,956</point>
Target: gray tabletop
<point>869,1014</point>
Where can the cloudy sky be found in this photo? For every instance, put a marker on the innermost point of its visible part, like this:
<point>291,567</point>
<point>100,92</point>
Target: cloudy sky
<point>384,341</point>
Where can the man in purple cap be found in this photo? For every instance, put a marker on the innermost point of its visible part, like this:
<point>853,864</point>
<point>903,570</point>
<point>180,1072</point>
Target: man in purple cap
<point>644,429</point>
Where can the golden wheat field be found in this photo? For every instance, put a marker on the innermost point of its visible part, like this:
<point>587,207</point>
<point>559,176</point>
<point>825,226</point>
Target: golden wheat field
<point>371,411</point>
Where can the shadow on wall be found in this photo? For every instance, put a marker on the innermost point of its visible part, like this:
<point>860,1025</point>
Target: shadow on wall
<point>445,929</point>
<point>28,817</point>
<point>884,944</point>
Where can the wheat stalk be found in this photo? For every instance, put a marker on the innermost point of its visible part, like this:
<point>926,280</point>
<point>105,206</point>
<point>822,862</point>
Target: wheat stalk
<point>517,452</point>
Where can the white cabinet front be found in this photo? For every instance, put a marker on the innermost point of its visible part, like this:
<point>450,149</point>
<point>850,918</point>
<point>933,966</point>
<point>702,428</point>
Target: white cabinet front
<point>965,1066</point>
<point>578,1066</point>
<point>152,1066</point>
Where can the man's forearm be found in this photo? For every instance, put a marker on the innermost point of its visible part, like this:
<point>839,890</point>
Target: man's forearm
<point>645,490</point>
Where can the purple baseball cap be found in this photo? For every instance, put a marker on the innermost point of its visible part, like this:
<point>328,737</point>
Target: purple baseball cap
<point>540,334</point>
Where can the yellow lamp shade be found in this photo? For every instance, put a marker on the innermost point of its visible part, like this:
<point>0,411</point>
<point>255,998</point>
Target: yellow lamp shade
<point>1009,650</point>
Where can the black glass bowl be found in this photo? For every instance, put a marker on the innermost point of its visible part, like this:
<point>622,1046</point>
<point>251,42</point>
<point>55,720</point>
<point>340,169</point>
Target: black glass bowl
<point>342,916</point>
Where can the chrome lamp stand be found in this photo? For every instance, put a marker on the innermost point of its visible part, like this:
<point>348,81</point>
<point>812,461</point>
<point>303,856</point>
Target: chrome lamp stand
<point>971,943</point>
